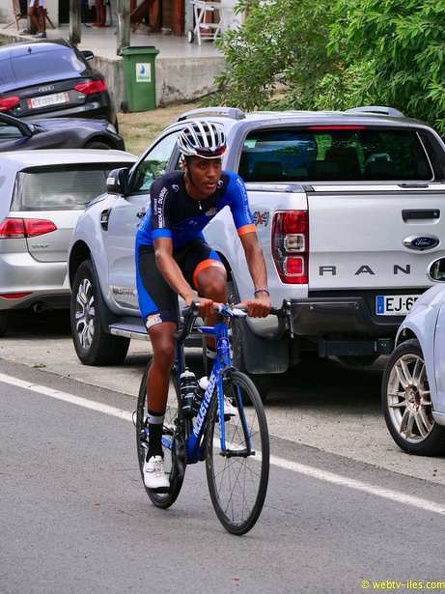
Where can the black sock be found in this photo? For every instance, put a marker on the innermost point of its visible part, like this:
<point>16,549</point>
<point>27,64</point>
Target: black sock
<point>155,425</point>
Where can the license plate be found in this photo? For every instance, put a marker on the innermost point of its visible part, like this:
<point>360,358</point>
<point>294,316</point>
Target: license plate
<point>45,100</point>
<point>394,305</point>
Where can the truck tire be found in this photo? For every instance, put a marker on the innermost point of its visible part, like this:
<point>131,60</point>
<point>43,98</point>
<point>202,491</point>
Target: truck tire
<point>93,345</point>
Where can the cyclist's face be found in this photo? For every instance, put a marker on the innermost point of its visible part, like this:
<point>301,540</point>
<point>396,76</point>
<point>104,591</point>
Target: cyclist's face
<point>204,175</point>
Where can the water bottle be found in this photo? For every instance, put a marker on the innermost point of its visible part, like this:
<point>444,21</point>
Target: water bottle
<point>187,388</point>
<point>203,382</point>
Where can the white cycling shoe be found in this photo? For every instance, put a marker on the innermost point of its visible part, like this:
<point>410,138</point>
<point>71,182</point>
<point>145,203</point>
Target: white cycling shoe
<point>155,476</point>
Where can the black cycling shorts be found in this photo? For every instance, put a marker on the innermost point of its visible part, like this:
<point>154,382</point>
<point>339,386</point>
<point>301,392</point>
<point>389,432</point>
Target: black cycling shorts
<point>157,300</point>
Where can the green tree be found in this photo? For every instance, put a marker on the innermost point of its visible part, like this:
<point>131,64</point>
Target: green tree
<point>281,48</point>
<point>389,52</point>
<point>335,55</point>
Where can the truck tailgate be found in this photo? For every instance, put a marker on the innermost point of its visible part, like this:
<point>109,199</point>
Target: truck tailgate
<point>384,236</point>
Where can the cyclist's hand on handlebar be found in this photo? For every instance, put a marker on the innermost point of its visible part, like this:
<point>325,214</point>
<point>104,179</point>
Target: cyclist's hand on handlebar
<point>206,307</point>
<point>259,307</point>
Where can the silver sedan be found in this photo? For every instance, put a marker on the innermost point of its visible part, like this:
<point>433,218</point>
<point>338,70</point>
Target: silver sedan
<point>42,195</point>
<point>413,386</point>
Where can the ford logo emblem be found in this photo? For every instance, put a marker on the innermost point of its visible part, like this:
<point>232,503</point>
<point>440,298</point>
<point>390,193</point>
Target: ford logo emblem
<point>424,242</point>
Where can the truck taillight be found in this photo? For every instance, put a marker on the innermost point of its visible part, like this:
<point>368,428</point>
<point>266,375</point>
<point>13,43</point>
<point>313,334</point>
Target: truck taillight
<point>290,246</point>
<point>12,228</point>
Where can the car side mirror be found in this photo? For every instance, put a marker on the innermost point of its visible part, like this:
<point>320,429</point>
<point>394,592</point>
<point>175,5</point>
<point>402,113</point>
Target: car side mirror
<point>117,181</point>
<point>87,54</point>
<point>436,271</point>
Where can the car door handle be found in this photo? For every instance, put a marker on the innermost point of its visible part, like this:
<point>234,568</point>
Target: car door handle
<point>141,213</point>
<point>409,215</point>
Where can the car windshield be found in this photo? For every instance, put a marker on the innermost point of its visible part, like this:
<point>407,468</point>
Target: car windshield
<point>334,153</point>
<point>64,189</point>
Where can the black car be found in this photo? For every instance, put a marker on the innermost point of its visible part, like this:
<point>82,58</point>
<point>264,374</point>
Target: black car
<point>52,79</point>
<point>54,133</point>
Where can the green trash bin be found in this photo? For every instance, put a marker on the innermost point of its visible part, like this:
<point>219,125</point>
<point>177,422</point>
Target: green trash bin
<point>139,77</point>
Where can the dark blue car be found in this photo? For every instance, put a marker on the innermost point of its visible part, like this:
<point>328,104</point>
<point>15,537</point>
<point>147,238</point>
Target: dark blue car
<point>52,79</point>
<point>55,133</point>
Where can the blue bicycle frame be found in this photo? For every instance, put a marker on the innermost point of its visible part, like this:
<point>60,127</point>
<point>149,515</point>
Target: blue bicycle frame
<point>195,427</point>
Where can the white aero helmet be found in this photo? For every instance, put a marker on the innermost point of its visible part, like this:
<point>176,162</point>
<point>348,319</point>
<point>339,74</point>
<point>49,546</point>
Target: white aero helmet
<point>202,139</point>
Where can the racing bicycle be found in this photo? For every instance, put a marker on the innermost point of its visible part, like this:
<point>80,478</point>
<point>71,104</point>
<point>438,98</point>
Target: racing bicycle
<point>234,446</point>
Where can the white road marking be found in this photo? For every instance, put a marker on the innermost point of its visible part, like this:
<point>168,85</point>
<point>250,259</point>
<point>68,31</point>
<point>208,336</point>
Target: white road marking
<point>66,397</point>
<point>337,479</point>
<point>311,471</point>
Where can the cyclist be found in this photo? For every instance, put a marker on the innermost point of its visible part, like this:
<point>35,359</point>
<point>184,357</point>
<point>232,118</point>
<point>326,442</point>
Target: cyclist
<point>172,258</point>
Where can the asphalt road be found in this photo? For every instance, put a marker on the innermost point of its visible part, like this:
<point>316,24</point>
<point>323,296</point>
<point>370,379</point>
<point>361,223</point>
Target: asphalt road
<point>74,517</point>
<point>321,404</point>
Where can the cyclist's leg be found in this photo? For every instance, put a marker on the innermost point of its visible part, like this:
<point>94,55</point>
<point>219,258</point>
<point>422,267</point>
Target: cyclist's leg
<point>210,276</point>
<point>171,441</point>
<point>158,306</point>
<point>206,273</point>
<point>158,380</point>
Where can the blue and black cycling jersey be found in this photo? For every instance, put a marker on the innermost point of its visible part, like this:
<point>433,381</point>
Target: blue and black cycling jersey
<point>175,215</point>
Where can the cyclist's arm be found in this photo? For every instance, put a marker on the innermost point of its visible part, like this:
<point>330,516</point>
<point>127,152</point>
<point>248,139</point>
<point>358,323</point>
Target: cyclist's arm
<point>255,259</point>
<point>260,305</point>
<point>160,193</point>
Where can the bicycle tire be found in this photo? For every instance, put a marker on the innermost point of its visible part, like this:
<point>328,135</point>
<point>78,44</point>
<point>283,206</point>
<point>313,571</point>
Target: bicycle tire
<point>176,473</point>
<point>237,484</point>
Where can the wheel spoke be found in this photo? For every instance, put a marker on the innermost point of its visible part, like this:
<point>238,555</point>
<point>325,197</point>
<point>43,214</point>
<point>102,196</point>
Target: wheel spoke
<point>419,371</point>
<point>403,373</point>
<point>400,402</point>
<point>405,422</point>
<point>424,423</point>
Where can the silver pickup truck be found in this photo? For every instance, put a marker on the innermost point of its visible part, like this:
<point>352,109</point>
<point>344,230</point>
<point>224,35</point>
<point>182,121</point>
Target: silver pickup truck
<point>350,211</point>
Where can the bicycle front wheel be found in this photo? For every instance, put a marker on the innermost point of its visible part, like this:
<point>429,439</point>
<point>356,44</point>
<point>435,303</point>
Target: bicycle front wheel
<point>238,477</point>
<point>173,457</point>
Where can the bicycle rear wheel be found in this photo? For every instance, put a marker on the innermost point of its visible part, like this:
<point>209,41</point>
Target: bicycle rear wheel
<point>238,479</point>
<point>172,454</point>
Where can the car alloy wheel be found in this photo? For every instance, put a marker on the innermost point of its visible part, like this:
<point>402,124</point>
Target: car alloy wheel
<point>84,314</point>
<point>406,402</point>
<point>93,344</point>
